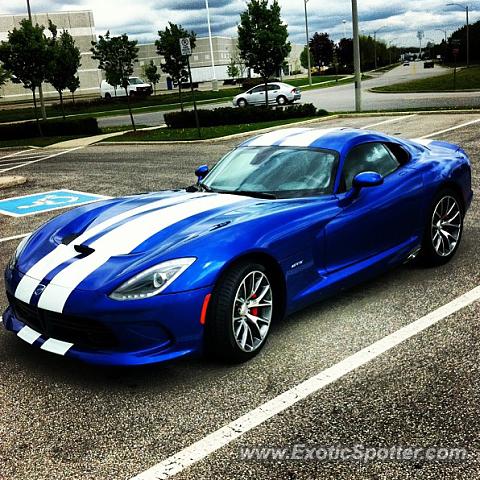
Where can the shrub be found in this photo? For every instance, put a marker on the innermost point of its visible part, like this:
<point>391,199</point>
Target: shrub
<point>236,116</point>
<point>50,128</point>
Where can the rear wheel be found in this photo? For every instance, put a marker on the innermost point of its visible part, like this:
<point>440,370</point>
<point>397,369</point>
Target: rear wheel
<point>107,96</point>
<point>282,100</point>
<point>240,313</point>
<point>443,231</point>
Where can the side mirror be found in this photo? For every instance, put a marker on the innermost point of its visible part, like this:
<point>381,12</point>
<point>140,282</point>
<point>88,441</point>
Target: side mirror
<point>367,179</point>
<point>201,172</point>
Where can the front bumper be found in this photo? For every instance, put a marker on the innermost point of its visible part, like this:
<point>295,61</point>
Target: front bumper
<point>99,330</point>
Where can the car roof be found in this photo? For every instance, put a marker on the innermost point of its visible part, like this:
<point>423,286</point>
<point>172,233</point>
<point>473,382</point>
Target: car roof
<point>337,138</point>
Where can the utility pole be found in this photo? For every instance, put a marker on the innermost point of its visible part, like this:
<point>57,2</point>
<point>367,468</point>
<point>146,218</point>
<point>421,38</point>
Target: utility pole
<point>214,73</point>
<point>40,90</point>
<point>465,7</point>
<point>356,58</point>
<point>308,45</point>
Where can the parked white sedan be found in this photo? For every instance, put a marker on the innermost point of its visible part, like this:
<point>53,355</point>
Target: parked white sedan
<point>278,93</point>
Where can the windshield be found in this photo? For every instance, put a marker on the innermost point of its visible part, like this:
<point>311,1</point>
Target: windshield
<point>285,172</point>
<point>135,81</point>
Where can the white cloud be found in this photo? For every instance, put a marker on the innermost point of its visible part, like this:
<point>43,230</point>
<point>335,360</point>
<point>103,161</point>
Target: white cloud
<point>397,20</point>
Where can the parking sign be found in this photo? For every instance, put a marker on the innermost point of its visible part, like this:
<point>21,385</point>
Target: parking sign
<point>185,47</point>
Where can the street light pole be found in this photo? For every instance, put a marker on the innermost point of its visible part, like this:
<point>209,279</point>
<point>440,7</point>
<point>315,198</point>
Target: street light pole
<point>465,7</point>
<point>390,49</point>
<point>308,45</point>
<point>40,90</point>
<point>356,58</point>
<point>344,28</point>
<point>214,74</point>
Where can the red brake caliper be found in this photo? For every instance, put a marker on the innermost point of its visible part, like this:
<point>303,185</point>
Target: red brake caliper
<point>254,310</point>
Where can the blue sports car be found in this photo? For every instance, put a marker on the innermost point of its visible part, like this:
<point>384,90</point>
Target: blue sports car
<point>282,221</point>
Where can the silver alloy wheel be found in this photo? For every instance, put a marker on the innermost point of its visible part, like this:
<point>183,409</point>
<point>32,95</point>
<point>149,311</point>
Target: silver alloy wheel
<point>252,311</point>
<point>242,103</point>
<point>446,226</point>
<point>281,100</point>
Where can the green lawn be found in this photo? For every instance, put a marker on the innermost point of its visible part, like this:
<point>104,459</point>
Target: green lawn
<point>467,79</point>
<point>172,135</point>
<point>46,141</point>
<point>36,141</point>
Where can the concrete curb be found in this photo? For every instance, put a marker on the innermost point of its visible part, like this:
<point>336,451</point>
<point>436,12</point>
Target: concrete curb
<point>227,137</point>
<point>11,181</point>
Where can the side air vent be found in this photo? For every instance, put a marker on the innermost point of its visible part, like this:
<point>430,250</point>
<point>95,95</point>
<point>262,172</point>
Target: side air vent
<point>83,249</point>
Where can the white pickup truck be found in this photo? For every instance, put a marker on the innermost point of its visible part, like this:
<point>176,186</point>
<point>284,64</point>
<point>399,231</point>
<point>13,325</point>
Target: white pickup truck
<point>136,86</point>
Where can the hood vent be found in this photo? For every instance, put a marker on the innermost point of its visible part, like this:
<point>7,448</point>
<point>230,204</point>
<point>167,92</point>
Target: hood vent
<point>83,249</point>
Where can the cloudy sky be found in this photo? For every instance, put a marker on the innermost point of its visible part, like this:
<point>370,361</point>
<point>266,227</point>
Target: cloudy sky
<point>397,20</point>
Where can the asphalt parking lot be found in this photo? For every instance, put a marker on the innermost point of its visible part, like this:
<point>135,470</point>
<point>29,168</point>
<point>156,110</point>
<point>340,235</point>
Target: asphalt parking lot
<point>63,420</point>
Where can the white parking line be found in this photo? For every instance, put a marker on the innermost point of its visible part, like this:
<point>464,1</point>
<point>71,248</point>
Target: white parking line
<point>390,120</point>
<point>14,154</point>
<point>218,439</point>
<point>15,237</point>
<point>41,159</point>
<point>466,124</point>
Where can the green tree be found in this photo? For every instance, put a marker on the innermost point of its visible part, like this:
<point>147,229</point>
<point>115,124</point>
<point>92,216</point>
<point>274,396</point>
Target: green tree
<point>322,49</point>
<point>4,76</point>
<point>73,85</point>
<point>64,61</point>
<point>26,55</point>
<point>168,46</point>
<point>345,53</point>
<point>232,69</point>
<point>304,58</point>
<point>151,73</point>
<point>116,57</point>
<point>263,39</point>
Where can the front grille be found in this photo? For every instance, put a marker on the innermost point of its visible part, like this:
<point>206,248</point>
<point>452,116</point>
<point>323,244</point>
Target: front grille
<point>83,332</point>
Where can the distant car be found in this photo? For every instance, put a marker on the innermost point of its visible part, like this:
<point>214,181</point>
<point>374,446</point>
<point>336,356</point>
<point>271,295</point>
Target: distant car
<point>284,220</point>
<point>278,93</point>
<point>406,64</point>
<point>136,87</point>
<point>428,64</point>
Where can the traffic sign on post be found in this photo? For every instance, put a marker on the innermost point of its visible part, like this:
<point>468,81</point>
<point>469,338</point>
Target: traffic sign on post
<point>185,46</point>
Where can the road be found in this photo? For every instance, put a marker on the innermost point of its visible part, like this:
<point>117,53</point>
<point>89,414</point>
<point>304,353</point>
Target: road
<point>63,420</point>
<point>342,98</point>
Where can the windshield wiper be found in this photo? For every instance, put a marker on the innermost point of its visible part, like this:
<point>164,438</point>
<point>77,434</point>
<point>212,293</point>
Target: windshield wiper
<point>205,187</point>
<point>199,187</point>
<point>248,193</point>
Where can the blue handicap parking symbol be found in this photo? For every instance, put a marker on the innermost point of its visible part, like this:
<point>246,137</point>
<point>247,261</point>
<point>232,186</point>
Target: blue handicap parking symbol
<point>45,202</point>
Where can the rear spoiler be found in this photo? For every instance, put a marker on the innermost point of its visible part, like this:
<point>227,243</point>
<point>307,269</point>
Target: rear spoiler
<point>437,144</point>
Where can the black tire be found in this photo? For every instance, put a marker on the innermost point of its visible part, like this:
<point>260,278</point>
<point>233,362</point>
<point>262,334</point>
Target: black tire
<point>282,100</point>
<point>431,256</point>
<point>108,96</point>
<point>220,339</point>
<point>242,103</point>
<point>132,93</point>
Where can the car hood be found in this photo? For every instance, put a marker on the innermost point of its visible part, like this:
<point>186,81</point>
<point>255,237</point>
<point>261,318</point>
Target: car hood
<point>99,246</point>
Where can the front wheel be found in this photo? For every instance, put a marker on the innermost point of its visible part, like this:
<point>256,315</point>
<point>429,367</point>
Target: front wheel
<point>242,103</point>
<point>444,229</point>
<point>240,314</point>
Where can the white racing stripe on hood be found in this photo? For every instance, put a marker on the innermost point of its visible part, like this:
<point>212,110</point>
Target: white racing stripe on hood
<point>123,240</point>
<point>271,138</point>
<point>63,253</point>
<point>422,141</point>
<point>305,139</point>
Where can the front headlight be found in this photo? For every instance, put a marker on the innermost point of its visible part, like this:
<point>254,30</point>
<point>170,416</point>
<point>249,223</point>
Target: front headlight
<point>14,258</point>
<point>152,281</point>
